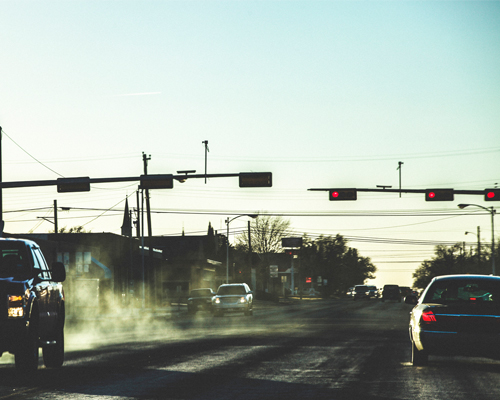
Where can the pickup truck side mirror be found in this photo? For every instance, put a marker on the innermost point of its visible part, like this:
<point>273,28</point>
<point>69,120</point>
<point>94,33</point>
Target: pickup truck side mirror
<point>58,272</point>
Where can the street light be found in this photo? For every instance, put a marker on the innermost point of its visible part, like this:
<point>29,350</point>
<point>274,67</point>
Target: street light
<point>492,211</point>
<point>228,221</point>
<point>478,235</point>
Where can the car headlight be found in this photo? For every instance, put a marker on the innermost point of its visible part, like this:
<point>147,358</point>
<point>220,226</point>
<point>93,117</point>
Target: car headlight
<point>217,300</point>
<point>243,300</point>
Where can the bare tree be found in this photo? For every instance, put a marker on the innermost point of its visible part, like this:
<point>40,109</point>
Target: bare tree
<point>266,233</point>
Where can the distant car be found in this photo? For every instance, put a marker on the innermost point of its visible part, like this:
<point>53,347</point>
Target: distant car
<point>372,292</point>
<point>457,315</point>
<point>405,291</point>
<point>391,292</point>
<point>361,292</point>
<point>350,292</point>
<point>200,299</point>
<point>234,297</point>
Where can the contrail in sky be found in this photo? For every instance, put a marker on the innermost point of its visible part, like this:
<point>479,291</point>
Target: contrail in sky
<point>137,94</point>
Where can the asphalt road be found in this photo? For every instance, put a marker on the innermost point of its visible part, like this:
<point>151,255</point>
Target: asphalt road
<point>315,349</point>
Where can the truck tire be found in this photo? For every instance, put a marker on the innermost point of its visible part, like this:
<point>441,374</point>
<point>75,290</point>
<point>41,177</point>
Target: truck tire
<point>26,356</point>
<point>53,355</point>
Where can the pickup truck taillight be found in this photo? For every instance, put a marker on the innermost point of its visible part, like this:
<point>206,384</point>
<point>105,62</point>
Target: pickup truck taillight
<point>15,307</point>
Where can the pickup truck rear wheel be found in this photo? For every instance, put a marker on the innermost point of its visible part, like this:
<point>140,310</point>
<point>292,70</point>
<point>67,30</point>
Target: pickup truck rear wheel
<point>26,356</point>
<point>53,355</point>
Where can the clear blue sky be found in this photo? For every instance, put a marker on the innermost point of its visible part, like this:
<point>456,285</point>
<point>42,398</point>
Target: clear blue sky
<point>321,93</point>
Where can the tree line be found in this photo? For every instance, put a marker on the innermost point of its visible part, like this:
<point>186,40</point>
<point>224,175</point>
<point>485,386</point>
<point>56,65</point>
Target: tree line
<point>456,259</point>
<point>326,258</point>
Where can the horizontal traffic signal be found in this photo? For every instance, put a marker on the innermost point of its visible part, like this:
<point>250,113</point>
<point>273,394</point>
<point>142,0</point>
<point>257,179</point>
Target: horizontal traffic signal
<point>256,179</point>
<point>439,195</point>
<point>66,185</point>
<point>157,181</point>
<point>492,195</point>
<point>342,194</point>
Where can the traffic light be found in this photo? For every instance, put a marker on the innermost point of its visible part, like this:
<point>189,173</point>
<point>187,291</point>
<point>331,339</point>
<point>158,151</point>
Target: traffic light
<point>492,195</point>
<point>439,195</point>
<point>256,179</point>
<point>342,194</point>
<point>157,182</point>
<point>65,185</point>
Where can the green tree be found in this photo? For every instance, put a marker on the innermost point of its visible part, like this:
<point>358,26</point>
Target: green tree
<point>332,259</point>
<point>449,260</point>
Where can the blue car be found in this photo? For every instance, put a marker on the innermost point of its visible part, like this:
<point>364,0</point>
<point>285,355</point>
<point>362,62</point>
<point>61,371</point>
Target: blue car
<point>456,315</point>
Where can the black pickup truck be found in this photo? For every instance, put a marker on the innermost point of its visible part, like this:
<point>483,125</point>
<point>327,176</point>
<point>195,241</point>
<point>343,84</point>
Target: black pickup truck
<point>31,305</point>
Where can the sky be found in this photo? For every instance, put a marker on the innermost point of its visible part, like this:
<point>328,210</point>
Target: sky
<point>323,94</point>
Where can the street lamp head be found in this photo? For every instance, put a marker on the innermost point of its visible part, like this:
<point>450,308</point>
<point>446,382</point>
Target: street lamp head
<point>462,206</point>
<point>253,215</point>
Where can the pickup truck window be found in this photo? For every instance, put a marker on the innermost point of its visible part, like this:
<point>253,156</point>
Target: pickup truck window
<point>40,264</point>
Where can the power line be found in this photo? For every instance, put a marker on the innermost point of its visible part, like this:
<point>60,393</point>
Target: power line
<point>30,155</point>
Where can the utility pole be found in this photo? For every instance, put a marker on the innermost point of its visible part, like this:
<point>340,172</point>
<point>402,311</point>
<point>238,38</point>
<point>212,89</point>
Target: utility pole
<point>145,159</point>
<point>205,142</point>
<point>56,226</point>
<point>1,200</point>
<point>399,167</point>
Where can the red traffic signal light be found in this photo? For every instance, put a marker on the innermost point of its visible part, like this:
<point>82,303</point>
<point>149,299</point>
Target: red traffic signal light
<point>439,195</point>
<point>342,194</point>
<point>492,195</point>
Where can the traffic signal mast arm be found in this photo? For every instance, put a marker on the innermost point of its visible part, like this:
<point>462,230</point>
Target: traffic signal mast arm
<point>252,179</point>
<point>438,194</point>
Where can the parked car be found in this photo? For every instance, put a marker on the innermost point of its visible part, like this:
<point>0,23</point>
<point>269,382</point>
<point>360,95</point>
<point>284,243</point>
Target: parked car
<point>200,299</point>
<point>233,297</point>
<point>391,292</point>
<point>457,315</point>
<point>361,292</point>
<point>32,310</point>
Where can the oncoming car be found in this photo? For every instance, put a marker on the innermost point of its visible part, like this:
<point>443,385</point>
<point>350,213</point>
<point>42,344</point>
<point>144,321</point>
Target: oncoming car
<point>200,299</point>
<point>457,315</point>
<point>234,297</point>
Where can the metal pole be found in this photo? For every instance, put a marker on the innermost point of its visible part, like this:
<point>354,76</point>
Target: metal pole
<point>145,159</point>
<point>399,167</point>
<point>478,245</point>
<point>227,250</point>
<point>1,200</point>
<point>142,250</point>
<point>493,240</point>
<point>56,227</point>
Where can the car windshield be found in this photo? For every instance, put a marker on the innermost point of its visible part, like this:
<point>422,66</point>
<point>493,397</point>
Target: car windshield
<point>228,290</point>
<point>14,260</point>
<point>361,289</point>
<point>454,291</point>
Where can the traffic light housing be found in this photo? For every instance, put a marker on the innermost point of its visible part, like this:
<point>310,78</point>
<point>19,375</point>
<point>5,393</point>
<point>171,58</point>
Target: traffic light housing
<point>342,194</point>
<point>66,185</point>
<point>157,181</point>
<point>492,195</point>
<point>256,179</point>
<point>439,195</point>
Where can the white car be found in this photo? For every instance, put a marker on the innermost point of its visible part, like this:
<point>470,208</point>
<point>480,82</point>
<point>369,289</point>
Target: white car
<point>234,297</point>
